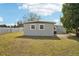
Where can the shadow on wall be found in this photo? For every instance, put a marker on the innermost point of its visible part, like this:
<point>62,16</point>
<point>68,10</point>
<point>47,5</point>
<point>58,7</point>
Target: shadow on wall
<point>40,37</point>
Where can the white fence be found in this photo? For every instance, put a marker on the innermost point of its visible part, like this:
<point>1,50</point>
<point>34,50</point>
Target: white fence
<point>6,30</point>
<point>59,29</point>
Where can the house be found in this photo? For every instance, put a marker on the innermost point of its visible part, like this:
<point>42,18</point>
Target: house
<point>39,28</point>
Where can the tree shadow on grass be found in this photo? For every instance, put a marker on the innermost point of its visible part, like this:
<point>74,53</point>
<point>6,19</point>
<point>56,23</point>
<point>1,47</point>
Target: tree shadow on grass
<point>73,38</point>
<point>40,37</point>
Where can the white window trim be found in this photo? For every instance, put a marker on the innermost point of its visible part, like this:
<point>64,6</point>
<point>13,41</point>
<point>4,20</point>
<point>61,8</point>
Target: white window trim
<point>31,25</point>
<point>43,25</point>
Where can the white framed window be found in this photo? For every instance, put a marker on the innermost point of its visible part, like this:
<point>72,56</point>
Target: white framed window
<point>41,26</point>
<point>32,27</point>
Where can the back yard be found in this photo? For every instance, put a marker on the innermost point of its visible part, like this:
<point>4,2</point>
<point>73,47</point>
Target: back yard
<point>16,44</point>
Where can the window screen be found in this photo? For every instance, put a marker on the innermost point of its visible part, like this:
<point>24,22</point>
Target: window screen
<point>41,26</point>
<point>32,26</point>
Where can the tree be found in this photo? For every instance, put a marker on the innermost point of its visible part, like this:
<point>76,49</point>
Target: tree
<point>33,17</point>
<point>70,17</point>
<point>3,25</point>
<point>19,24</point>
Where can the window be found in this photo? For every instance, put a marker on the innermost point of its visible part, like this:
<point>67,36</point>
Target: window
<point>32,27</point>
<point>41,27</point>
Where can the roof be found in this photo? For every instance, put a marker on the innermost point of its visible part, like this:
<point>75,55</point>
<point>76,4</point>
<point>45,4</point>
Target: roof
<point>39,22</point>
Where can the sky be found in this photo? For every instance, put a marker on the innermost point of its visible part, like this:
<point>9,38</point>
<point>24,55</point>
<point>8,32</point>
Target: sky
<point>10,13</point>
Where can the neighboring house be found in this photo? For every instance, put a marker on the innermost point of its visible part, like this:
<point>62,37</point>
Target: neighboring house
<point>39,28</point>
<point>60,29</point>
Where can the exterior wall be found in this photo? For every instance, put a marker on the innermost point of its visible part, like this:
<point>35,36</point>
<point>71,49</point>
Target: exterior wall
<point>48,31</point>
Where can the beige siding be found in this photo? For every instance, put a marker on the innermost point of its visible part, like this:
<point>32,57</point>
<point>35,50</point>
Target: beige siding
<point>48,31</point>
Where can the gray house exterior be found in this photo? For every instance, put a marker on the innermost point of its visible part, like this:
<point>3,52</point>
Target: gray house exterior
<point>39,28</point>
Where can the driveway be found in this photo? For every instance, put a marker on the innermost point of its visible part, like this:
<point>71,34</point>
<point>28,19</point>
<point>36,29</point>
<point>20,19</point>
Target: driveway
<point>63,36</point>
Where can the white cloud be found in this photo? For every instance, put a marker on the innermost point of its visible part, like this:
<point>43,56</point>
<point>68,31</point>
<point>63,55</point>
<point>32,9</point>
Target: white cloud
<point>58,22</point>
<point>1,19</point>
<point>22,6</point>
<point>12,24</point>
<point>39,1</point>
<point>42,8</point>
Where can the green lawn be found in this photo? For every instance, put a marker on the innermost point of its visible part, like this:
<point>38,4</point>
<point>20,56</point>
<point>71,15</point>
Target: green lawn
<point>16,44</point>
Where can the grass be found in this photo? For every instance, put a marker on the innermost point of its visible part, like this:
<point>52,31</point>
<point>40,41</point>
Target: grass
<point>14,44</point>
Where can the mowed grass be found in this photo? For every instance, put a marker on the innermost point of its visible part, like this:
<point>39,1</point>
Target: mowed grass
<point>14,44</point>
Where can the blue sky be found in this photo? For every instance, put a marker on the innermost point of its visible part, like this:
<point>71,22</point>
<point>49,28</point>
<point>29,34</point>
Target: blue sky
<point>10,13</point>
